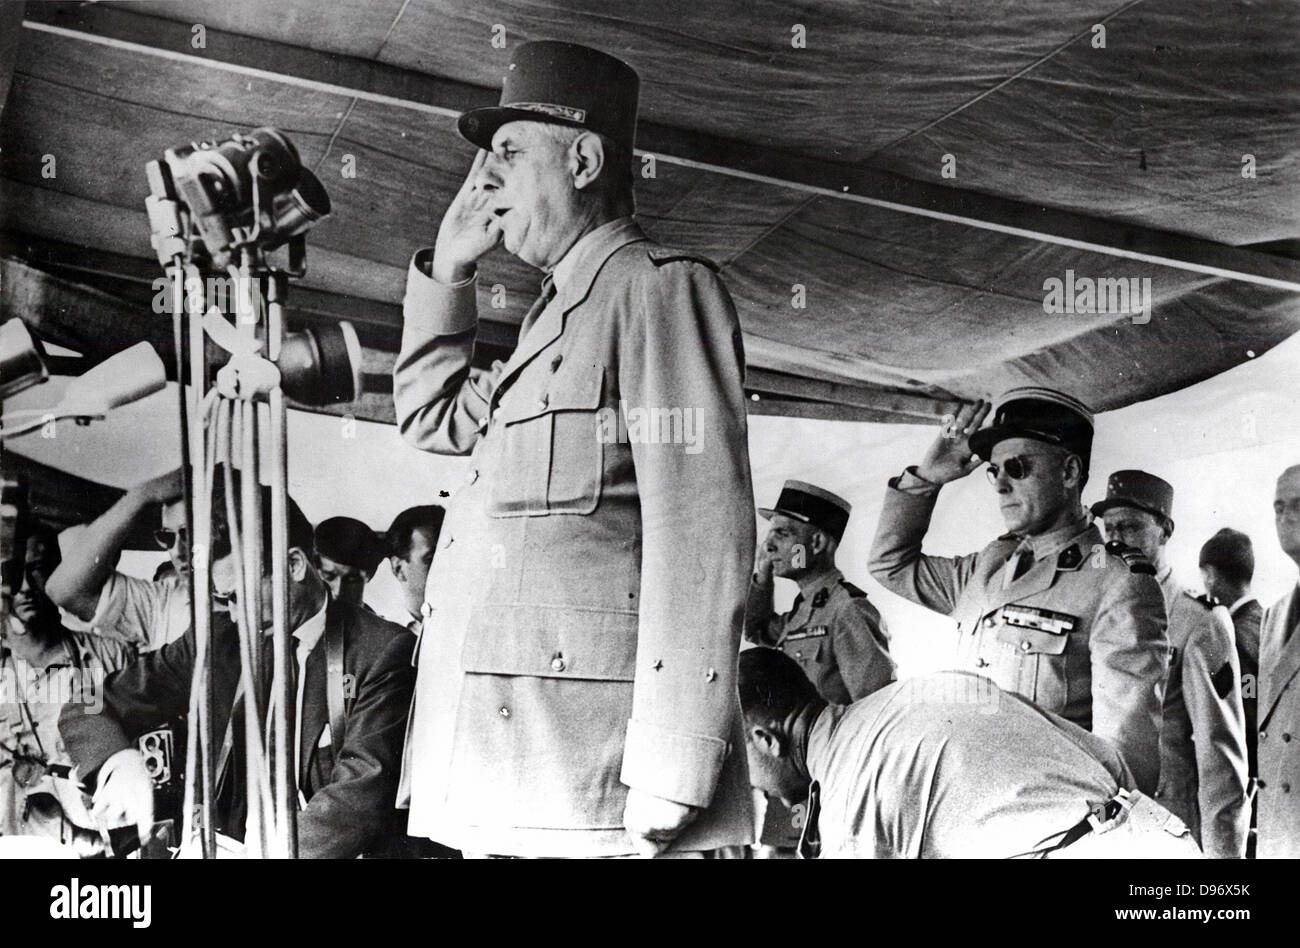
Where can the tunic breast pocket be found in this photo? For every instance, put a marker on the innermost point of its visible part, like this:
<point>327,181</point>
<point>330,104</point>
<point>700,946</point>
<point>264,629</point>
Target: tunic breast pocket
<point>550,453</point>
<point>1041,664</point>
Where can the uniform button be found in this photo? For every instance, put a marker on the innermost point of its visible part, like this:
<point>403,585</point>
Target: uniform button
<point>1286,738</point>
<point>1263,734</point>
<point>710,675</point>
<point>1025,646</point>
<point>988,622</point>
<point>1286,788</point>
<point>557,663</point>
<point>543,402</point>
<point>555,363</point>
<point>504,712</point>
<point>1259,784</point>
<point>799,656</point>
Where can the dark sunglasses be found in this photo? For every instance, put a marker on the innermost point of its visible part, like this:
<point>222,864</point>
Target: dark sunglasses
<point>1017,468</point>
<point>166,538</point>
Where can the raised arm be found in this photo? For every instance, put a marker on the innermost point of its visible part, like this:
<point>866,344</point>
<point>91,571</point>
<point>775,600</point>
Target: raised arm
<point>89,562</point>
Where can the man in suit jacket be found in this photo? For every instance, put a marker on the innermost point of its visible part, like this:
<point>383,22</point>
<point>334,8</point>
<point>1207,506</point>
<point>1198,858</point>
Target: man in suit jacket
<point>347,782</point>
<point>1045,610</point>
<point>1279,696</point>
<point>576,687</point>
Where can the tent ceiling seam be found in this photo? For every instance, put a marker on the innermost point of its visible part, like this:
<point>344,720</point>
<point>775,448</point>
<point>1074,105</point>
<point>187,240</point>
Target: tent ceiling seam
<point>1019,74</point>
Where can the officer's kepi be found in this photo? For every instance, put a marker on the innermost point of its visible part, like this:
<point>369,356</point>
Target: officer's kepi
<point>1141,491</point>
<point>564,84</point>
<point>810,504</point>
<point>1042,414</point>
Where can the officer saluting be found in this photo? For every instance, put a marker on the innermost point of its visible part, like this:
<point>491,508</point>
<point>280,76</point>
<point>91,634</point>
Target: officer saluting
<point>833,632</point>
<point>1203,770</point>
<point>1045,610</point>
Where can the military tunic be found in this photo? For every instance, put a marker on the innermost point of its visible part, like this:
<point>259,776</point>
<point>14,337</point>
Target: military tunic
<point>835,634</point>
<point>586,600</point>
<point>1078,632</point>
<point>1202,740</point>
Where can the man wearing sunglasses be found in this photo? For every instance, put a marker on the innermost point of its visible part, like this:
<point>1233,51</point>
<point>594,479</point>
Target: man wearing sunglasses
<point>43,664</point>
<point>1203,769</point>
<point>348,746</point>
<point>147,614</point>
<point>1046,610</point>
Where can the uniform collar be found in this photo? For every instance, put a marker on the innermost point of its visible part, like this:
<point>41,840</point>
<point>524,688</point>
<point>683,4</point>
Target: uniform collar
<point>1054,541</point>
<point>577,267</point>
<point>819,582</point>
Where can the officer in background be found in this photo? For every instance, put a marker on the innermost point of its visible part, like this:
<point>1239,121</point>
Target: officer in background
<point>1203,738</point>
<point>833,632</point>
<point>1045,610</point>
<point>348,554</point>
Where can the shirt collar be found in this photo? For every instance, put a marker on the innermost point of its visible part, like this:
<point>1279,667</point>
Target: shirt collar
<point>310,632</point>
<point>591,250</point>
<point>1244,600</point>
<point>823,581</point>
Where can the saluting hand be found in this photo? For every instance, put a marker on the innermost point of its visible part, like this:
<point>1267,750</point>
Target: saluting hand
<point>653,822</point>
<point>469,229</point>
<point>950,457</point>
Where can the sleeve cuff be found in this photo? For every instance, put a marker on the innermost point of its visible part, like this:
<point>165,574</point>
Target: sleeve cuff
<point>440,309</point>
<point>669,764</point>
<point>909,482</point>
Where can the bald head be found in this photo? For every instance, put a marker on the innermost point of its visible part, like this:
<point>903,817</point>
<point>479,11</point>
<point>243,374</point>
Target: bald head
<point>1286,512</point>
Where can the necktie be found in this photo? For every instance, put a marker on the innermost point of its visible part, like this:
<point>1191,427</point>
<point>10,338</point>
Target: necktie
<point>535,311</point>
<point>1018,563</point>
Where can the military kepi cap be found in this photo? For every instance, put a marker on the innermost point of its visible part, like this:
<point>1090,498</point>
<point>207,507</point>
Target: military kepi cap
<point>350,542</point>
<point>564,84</point>
<point>1141,490</point>
<point>1042,414</point>
<point>812,505</point>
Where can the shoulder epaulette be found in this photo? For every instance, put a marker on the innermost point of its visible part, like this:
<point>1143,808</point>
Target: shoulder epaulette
<point>1133,558</point>
<point>853,591</point>
<point>660,256</point>
<point>1206,600</point>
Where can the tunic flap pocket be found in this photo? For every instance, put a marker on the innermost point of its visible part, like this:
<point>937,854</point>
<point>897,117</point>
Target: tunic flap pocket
<point>552,642</point>
<point>568,389</point>
<point>1032,641</point>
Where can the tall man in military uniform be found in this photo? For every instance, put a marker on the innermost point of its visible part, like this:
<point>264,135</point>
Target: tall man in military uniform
<point>833,632</point>
<point>1045,610</point>
<point>576,691</point>
<point>1203,738</point>
<point>1279,695</point>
